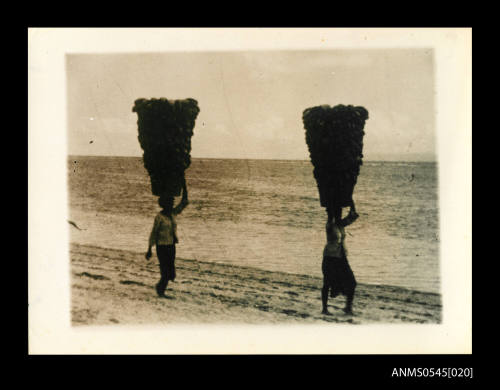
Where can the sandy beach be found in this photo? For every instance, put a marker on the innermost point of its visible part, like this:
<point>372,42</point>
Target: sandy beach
<point>112,286</point>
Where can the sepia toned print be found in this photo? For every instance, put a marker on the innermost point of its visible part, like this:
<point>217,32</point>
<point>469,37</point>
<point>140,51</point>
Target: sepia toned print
<point>255,244</point>
<point>249,243</point>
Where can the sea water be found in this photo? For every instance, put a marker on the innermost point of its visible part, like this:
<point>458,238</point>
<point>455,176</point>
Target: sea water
<point>266,214</point>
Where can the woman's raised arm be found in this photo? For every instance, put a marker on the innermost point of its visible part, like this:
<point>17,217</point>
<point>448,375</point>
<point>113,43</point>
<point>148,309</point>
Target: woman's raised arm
<point>184,201</point>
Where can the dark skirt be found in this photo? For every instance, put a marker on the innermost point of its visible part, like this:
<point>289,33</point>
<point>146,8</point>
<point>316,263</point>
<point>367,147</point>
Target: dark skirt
<point>166,257</point>
<point>338,276</point>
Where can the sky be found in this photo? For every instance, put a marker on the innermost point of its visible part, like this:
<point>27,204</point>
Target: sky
<point>251,102</point>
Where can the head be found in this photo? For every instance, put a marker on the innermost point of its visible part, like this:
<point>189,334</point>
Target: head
<point>166,203</point>
<point>334,214</point>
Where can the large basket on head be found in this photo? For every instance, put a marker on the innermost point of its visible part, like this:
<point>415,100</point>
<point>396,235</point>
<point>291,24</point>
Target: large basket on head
<point>334,137</point>
<point>165,130</point>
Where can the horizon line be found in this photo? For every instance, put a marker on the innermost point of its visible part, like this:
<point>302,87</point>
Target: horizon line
<point>244,158</point>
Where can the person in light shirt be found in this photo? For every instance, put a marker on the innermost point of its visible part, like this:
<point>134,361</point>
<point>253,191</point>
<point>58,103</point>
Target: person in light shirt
<point>337,274</point>
<point>164,237</point>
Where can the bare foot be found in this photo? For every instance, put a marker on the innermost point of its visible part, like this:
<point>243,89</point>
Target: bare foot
<point>160,293</point>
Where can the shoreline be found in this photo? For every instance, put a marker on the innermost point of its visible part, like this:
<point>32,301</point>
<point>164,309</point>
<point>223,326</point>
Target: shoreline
<point>113,286</point>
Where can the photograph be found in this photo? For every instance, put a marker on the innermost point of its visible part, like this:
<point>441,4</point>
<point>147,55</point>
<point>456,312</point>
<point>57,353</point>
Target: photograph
<point>269,187</point>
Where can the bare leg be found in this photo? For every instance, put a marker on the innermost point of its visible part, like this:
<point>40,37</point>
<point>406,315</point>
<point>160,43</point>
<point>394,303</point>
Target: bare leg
<point>349,300</point>
<point>161,287</point>
<point>324,299</point>
<point>162,284</point>
<point>348,304</point>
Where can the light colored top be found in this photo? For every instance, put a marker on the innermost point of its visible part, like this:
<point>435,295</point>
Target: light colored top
<point>164,230</point>
<point>335,242</point>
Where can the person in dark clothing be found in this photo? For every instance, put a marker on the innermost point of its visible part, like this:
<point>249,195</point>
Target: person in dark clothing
<point>337,274</point>
<point>164,237</point>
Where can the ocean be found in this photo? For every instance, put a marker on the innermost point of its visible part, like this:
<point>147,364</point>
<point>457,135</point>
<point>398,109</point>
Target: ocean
<point>266,214</point>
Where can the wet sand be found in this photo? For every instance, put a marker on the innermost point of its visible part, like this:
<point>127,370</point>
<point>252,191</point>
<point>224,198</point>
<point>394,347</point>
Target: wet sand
<point>111,286</point>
